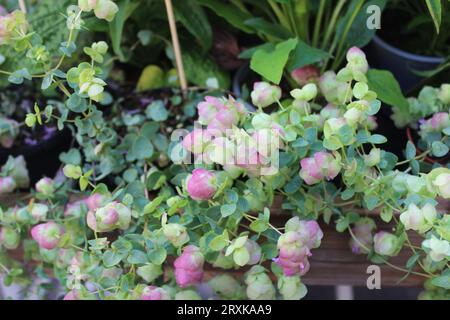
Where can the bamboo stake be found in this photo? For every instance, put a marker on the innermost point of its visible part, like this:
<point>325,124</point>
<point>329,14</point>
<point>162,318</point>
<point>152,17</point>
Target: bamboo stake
<point>22,6</point>
<point>176,45</point>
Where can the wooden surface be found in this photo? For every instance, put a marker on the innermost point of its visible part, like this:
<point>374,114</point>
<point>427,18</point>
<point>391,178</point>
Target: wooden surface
<point>334,263</point>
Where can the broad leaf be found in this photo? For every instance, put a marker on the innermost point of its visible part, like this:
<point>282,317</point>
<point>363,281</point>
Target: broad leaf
<point>270,64</point>
<point>387,88</point>
<point>304,55</point>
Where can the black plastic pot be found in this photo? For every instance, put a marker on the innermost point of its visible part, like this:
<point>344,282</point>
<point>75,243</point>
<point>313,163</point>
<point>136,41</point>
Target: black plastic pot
<point>402,64</point>
<point>42,159</point>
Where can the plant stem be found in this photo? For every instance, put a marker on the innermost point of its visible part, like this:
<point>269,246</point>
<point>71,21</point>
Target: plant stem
<point>318,23</point>
<point>334,18</point>
<point>279,14</point>
<point>339,54</point>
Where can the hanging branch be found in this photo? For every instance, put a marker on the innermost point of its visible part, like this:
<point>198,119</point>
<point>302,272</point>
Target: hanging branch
<point>176,45</point>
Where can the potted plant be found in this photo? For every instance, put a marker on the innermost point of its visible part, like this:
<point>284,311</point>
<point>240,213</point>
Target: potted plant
<point>298,37</point>
<point>409,51</point>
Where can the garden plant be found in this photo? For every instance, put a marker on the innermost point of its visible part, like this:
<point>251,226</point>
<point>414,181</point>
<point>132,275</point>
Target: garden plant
<point>162,193</point>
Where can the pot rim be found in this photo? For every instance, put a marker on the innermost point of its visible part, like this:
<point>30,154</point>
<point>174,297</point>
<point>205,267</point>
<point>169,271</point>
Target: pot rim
<point>407,55</point>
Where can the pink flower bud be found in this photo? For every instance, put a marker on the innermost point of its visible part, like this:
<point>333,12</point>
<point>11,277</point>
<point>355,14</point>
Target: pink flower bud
<point>254,251</point>
<point>307,93</point>
<point>106,9</point>
<point>75,209</point>
<point>291,288</point>
<point>438,122</point>
<point>329,166</point>
<point>309,230</point>
<point>328,86</point>
<point>201,185</point>
<point>332,126</point>
<point>357,61</point>
<point>176,234</point>
<point>221,151</point>
<point>306,74</point>
<point>386,244</point>
<point>293,254</point>
<point>95,201</point>
<point>420,220</point>
<point>7,185</point>
<point>322,165</point>
<point>330,111</point>
<point>227,116</point>
<point>442,185</point>
<point>196,141</point>
<point>207,109</point>
<point>189,267</point>
<point>39,211</point>
<point>154,293</point>
<point>362,230</point>
<point>267,141</point>
<point>45,186</point>
<point>259,285</point>
<point>47,235</point>
<point>310,172</point>
<point>110,217</point>
<point>264,94</point>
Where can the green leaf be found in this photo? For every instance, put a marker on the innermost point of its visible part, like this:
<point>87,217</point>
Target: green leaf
<point>193,18</point>
<point>386,214</point>
<point>231,196</point>
<point>228,209</point>
<point>270,64</point>
<point>145,37</point>
<point>387,88</point>
<point>347,194</point>
<point>259,226</point>
<point>410,150</point>
<point>158,256</point>
<point>446,131</point>
<point>116,27</point>
<point>412,261</point>
<point>142,148</point>
<point>434,7</point>
<point>218,243</point>
<point>442,281</point>
<point>47,81</point>
<point>232,14</point>
<point>112,258</point>
<point>157,111</point>
<point>342,224</point>
<point>260,25</point>
<point>371,202</point>
<point>149,272</point>
<point>151,207</point>
<point>439,149</point>
<point>137,257</point>
<point>377,139</point>
<point>304,55</point>
<point>359,34</point>
<point>241,256</point>
<point>76,104</point>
